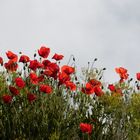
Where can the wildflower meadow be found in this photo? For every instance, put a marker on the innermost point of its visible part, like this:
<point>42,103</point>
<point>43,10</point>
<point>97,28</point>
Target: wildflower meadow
<point>40,99</point>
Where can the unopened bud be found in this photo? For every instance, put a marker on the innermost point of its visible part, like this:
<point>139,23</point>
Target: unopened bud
<point>95,59</point>
<point>130,79</point>
<point>35,55</point>
<point>41,72</point>
<point>100,78</point>
<point>76,78</point>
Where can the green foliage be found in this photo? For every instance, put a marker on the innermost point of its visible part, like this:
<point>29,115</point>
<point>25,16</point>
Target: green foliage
<point>107,114</point>
<point>57,116</point>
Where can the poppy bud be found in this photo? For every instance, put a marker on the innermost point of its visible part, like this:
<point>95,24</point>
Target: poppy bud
<point>34,55</point>
<point>76,78</point>
<point>96,71</point>
<point>77,83</point>
<point>130,80</point>
<point>41,72</point>
<point>100,78</point>
<point>24,68</point>
<point>95,59</point>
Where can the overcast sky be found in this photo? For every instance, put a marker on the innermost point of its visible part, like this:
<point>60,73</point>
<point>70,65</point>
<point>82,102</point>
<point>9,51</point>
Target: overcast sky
<point>106,29</point>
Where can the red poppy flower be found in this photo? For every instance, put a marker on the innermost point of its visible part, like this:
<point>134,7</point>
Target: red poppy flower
<point>111,87</point>
<point>12,56</point>
<point>7,99</point>
<point>1,60</point>
<point>48,72</point>
<point>98,91</point>
<point>33,78</point>
<point>41,78</point>
<point>34,64</point>
<point>45,88</point>
<point>40,65</point>
<point>19,82</point>
<point>57,57</point>
<point>31,97</point>
<point>88,89</point>
<point>52,70</point>
<point>122,73</point>
<point>67,69</point>
<point>86,128</point>
<point>24,59</point>
<point>53,67</point>
<point>14,90</point>
<point>46,63</point>
<point>138,76</point>
<point>70,85</point>
<point>63,77</point>
<point>95,82</point>
<point>44,51</point>
<point>11,66</point>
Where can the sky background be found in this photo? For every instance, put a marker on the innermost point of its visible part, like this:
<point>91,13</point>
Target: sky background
<point>106,29</point>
